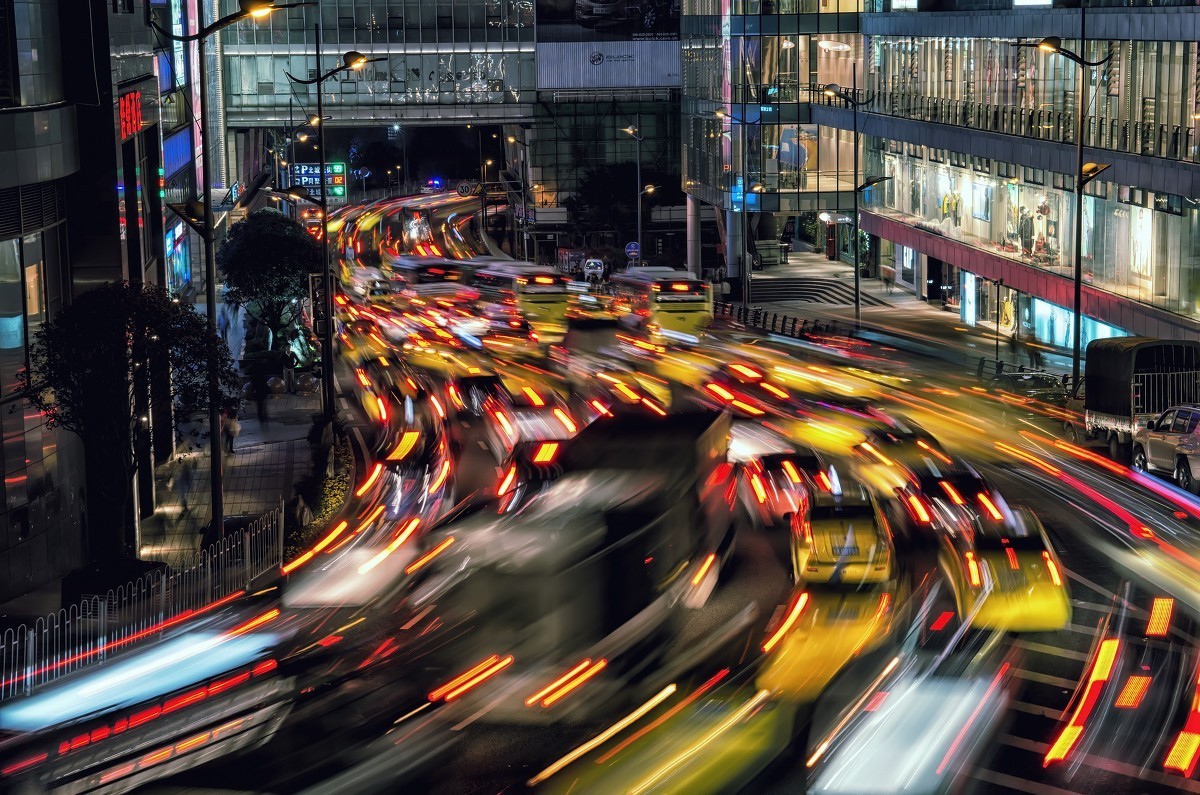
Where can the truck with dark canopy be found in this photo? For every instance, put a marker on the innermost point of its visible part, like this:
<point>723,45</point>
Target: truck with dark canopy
<point>1127,382</point>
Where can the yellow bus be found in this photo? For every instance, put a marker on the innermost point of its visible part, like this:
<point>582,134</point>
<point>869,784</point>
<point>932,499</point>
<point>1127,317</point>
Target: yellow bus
<point>538,293</point>
<point>664,301</point>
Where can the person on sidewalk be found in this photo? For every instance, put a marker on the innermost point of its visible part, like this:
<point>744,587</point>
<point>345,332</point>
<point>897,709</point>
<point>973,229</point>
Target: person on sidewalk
<point>230,429</point>
<point>223,324</point>
<point>261,393</point>
<point>184,480</point>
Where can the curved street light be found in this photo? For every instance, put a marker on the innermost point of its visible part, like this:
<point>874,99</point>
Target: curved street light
<point>247,9</point>
<point>1084,173</point>
<point>635,131</point>
<point>352,60</point>
<point>851,99</point>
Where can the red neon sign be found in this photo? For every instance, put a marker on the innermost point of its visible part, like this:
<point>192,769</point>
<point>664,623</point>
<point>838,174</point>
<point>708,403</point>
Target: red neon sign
<point>129,109</point>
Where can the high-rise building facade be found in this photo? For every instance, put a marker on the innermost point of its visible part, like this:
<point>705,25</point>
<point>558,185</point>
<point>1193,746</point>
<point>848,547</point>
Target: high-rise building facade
<point>562,78</point>
<point>752,149</point>
<point>978,134</point>
<point>976,127</point>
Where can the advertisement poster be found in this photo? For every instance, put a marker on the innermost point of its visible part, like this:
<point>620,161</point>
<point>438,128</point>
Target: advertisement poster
<point>179,259</point>
<point>607,43</point>
<point>969,294</point>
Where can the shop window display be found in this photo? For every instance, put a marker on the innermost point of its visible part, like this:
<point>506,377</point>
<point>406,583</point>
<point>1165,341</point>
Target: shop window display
<point>1139,245</point>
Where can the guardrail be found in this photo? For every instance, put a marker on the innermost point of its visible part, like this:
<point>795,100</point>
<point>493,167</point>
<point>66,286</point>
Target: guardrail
<point>773,321</point>
<point>90,630</point>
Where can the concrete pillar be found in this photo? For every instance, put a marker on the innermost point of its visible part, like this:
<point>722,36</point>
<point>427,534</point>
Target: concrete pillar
<point>735,247</point>
<point>693,235</point>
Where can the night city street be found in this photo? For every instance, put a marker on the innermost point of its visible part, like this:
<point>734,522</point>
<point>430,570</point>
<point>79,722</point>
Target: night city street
<point>599,396</point>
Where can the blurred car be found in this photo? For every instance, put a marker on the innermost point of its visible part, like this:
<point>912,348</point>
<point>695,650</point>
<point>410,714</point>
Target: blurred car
<point>823,628</point>
<point>470,394</point>
<point>1170,443</point>
<point>740,736</point>
<point>1027,397</point>
<point>843,538</point>
<point>526,415</point>
<point>925,731</point>
<point>1007,576</point>
<point>942,497</point>
<point>774,489</point>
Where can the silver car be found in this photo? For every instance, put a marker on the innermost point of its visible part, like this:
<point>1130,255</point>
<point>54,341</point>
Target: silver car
<point>1171,443</point>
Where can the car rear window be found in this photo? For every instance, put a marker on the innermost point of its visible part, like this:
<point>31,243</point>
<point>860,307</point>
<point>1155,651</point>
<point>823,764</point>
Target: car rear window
<point>822,512</point>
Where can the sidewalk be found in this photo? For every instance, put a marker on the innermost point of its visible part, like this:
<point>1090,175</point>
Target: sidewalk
<point>902,316</point>
<point>266,464</point>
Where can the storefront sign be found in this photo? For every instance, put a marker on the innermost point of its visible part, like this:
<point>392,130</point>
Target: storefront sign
<point>129,110</point>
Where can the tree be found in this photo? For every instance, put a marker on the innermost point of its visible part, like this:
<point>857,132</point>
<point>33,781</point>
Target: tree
<point>266,262</point>
<point>89,368</point>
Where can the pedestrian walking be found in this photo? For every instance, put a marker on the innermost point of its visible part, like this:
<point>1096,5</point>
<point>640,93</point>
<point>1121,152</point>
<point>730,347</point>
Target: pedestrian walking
<point>230,429</point>
<point>184,479</point>
<point>223,324</point>
<point>261,390</point>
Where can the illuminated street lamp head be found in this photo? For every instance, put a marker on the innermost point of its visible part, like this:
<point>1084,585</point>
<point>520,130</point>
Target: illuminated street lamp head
<point>1091,171</point>
<point>315,120</point>
<point>354,60</point>
<point>1050,44</point>
<point>832,90</point>
<point>302,137</point>
<point>257,8</point>
<point>488,162</point>
<point>720,113</point>
<point>758,187</point>
<point>512,139</point>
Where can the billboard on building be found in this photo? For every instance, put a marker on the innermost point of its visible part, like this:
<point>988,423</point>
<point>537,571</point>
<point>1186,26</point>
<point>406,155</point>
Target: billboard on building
<point>607,43</point>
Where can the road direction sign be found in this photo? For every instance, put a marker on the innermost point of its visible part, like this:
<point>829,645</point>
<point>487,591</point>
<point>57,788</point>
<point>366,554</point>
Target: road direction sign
<point>633,250</point>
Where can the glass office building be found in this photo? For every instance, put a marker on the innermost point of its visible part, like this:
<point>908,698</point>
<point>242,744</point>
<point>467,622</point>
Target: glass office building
<point>979,135</point>
<point>751,148</point>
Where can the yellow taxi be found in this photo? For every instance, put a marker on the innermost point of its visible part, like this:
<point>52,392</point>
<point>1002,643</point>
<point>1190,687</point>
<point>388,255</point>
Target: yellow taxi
<point>821,630</point>
<point>1006,575</point>
<point>842,539</point>
<point>714,745</point>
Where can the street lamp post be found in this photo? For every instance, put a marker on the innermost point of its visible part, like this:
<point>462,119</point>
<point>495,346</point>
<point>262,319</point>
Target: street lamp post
<point>1084,173</point>
<point>745,259</point>
<point>256,9</point>
<point>512,139</point>
<point>834,90</point>
<point>636,132</point>
<point>351,61</point>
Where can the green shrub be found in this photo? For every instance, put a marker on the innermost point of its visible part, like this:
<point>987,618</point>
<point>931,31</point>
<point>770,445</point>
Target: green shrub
<point>325,497</point>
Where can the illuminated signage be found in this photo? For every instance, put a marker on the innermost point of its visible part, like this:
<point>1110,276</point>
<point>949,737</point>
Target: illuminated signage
<point>129,110</point>
<point>177,45</point>
<point>307,175</point>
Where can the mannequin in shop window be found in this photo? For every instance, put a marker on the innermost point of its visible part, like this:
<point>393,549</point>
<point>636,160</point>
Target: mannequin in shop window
<point>1025,232</point>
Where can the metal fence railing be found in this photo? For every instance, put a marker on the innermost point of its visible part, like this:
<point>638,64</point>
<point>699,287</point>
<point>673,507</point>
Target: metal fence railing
<point>99,625</point>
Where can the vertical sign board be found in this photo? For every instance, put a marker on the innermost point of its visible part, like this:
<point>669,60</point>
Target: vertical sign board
<point>129,113</point>
<point>307,176</point>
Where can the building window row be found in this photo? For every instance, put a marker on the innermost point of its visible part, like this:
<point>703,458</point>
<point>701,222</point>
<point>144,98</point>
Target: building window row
<point>1144,101</point>
<point>448,78</point>
<point>348,23</point>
